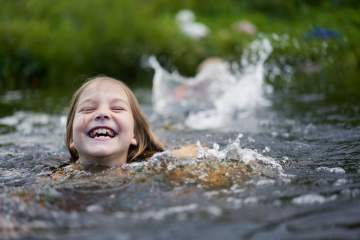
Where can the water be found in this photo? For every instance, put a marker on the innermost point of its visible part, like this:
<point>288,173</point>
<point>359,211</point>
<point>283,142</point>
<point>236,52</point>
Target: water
<point>220,91</point>
<point>284,166</point>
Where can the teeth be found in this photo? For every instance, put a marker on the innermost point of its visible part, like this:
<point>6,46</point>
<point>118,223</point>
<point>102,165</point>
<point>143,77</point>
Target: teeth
<point>101,131</point>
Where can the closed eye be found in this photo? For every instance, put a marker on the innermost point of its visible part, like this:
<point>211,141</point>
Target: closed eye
<point>87,109</point>
<point>118,109</point>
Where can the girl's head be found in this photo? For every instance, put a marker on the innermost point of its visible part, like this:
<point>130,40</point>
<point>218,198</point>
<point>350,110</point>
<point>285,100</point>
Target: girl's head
<point>105,125</point>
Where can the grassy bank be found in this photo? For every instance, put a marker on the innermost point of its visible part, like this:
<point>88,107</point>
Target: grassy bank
<point>51,44</point>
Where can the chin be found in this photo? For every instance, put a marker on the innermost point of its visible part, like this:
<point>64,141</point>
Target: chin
<point>101,153</point>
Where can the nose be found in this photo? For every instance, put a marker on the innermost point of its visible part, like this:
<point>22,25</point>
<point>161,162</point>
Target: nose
<point>102,117</point>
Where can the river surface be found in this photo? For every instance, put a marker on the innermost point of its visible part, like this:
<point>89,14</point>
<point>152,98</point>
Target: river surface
<point>285,168</point>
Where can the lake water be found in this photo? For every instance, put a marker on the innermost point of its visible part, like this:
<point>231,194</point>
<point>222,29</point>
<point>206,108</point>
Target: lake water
<point>273,164</point>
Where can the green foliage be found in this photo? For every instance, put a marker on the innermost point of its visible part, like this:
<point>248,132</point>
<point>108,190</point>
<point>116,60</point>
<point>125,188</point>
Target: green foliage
<point>54,43</point>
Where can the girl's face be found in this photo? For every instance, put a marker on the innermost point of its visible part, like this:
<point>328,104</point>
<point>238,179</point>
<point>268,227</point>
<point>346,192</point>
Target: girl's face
<point>103,126</point>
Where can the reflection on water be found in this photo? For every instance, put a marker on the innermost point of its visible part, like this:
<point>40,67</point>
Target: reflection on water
<point>296,177</point>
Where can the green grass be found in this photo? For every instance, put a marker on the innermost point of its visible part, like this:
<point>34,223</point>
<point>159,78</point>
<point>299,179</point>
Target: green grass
<point>52,43</point>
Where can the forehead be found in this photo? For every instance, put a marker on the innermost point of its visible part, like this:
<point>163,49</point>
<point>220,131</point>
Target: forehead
<point>105,89</point>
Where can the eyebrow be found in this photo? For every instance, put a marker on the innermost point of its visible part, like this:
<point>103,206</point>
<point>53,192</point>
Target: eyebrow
<point>119,100</point>
<point>86,101</point>
<point>91,101</point>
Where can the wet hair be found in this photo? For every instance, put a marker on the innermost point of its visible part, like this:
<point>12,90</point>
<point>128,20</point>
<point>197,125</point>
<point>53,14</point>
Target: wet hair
<point>147,143</point>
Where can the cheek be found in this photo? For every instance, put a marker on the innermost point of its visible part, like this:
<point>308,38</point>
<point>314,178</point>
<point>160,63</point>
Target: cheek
<point>126,122</point>
<point>78,126</point>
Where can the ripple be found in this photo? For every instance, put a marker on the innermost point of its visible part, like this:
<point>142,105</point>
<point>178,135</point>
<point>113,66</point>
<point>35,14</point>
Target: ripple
<point>312,198</point>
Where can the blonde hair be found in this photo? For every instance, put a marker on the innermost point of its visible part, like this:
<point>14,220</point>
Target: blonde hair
<point>147,143</point>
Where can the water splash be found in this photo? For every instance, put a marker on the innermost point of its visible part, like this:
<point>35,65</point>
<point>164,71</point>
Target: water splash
<point>219,93</point>
<point>213,167</point>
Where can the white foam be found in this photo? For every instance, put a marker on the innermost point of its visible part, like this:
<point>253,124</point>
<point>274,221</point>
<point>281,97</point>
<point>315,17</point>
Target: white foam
<point>239,202</point>
<point>251,200</point>
<point>94,208</point>
<point>162,213</point>
<point>263,182</point>
<point>30,128</point>
<point>351,192</point>
<point>29,122</point>
<point>312,198</point>
<point>340,182</point>
<point>309,199</point>
<point>337,170</point>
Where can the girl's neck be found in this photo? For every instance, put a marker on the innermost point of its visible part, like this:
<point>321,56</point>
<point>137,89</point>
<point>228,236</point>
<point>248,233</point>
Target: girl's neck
<point>101,162</point>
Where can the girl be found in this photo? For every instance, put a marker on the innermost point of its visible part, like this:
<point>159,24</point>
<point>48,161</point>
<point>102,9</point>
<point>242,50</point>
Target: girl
<point>105,126</point>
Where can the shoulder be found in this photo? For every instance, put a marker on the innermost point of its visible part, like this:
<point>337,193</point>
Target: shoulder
<point>187,151</point>
<point>64,171</point>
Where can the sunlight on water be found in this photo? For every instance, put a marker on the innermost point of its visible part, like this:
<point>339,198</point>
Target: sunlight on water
<point>220,91</point>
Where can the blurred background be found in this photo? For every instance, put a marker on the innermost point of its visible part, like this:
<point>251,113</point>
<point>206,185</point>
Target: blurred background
<point>284,162</point>
<point>54,45</point>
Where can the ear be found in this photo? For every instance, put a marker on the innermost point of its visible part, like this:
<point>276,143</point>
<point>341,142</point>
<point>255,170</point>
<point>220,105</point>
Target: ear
<point>134,141</point>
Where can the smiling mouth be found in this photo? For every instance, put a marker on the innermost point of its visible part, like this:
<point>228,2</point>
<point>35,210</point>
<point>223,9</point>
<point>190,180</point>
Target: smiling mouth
<point>98,132</point>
